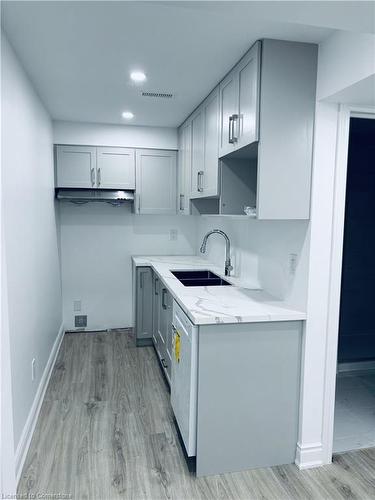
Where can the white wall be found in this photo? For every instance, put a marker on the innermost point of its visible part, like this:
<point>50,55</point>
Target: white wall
<point>7,457</point>
<point>344,60</point>
<point>260,253</point>
<point>97,242</point>
<point>30,233</point>
<point>97,134</point>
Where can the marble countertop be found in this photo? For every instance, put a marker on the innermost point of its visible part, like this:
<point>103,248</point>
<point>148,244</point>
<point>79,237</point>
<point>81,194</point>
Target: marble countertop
<point>240,303</point>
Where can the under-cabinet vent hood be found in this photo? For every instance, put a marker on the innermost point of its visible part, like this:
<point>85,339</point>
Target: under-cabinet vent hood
<point>112,196</point>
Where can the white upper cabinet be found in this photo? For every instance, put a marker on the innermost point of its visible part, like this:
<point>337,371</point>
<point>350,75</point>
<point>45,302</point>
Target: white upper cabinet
<point>211,153</point>
<point>184,169</point>
<point>156,181</point>
<point>287,108</point>
<point>239,103</point>
<point>227,110</point>
<point>197,153</point>
<point>263,136</point>
<point>115,168</point>
<point>95,167</point>
<point>205,129</point>
<point>75,166</point>
<point>248,75</point>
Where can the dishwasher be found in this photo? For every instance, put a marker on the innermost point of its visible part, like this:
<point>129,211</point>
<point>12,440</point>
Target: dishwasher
<point>184,378</point>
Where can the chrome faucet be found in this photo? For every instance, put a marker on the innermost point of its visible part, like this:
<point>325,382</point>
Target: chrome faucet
<point>228,265</point>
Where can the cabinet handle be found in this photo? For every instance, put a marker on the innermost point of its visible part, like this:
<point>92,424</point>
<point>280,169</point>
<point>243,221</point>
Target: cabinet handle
<point>156,288</point>
<point>234,121</point>
<point>164,293</point>
<point>182,202</point>
<point>163,362</point>
<point>141,280</point>
<point>92,176</point>
<point>200,181</point>
<point>139,203</point>
<point>230,130</point>
<point>99,176</point>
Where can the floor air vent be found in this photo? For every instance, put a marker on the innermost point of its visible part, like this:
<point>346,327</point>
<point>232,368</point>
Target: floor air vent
<point>162,95</point>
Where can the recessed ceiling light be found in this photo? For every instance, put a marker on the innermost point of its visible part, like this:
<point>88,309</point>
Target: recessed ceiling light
<point>128,115</point>
<point>138,76</point>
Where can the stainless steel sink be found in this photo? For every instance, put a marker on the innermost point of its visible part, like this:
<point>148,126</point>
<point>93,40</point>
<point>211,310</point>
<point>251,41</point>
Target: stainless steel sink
<point>199,278</point>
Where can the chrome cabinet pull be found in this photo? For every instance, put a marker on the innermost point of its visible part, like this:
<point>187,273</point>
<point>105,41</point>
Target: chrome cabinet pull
<point>234,121</point>
<point>99,176</point>
<point>141,280</point>
<point>156,287</point>
<point>182,202</point>
<point>200,181</point>
<point>138,203</point>
<point>92,175</point>
<point>230,130</point>
<point>164,293</point>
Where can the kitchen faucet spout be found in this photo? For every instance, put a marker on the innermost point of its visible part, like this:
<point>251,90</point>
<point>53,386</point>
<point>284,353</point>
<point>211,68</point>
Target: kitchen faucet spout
<point>228,264</point>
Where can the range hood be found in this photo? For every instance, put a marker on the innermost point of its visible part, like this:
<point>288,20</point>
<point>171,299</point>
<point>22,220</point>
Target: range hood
<point>112,196</point>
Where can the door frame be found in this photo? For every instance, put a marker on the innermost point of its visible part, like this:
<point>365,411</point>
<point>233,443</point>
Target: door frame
<point>338,222</point>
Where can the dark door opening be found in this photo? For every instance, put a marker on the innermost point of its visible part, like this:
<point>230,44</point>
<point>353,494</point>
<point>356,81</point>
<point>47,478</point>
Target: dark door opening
<point>355,387</point>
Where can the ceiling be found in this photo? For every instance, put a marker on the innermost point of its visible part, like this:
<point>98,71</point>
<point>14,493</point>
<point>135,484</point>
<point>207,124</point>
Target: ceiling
<point>79,54</point>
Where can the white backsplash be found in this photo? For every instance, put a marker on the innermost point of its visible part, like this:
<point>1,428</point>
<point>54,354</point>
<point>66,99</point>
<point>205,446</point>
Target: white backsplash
<point>260,252</point>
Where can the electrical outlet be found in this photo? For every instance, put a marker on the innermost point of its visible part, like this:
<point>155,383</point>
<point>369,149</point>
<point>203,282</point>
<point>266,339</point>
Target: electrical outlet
<point>33,369</point>
<point>173,234</point>
<point>77,304</point>
<point>293,261</point>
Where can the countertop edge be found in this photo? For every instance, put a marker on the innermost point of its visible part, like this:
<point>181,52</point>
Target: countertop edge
<point>290,314</point>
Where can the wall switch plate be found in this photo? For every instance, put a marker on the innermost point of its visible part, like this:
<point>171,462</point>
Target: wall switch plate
<point>80,321</point>
<point>173,234</point>
<point>293,260</point>
<point>33,369</point>
<point>77,305</point>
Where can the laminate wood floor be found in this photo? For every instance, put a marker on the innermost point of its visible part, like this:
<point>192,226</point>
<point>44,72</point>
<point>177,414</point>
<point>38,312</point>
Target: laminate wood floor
<point>106,431</point>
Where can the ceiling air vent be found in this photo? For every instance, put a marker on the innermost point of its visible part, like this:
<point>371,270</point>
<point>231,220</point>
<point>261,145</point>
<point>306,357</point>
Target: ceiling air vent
<point>161,95</point>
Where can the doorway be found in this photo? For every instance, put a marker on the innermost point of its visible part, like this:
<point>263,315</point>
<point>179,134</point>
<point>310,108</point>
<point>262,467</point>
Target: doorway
<point>354,424</point>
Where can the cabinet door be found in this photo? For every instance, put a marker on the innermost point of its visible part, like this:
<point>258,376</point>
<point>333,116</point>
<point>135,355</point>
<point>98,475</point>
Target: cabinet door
<point>155,310</point>
<point>144,303</point>
<point>156,181</point>
<point>75,166</point>
<point>168,345</point>
<point>197,153</point>
<point>164,335</point>
<point>246,125</point>
<point>162,326</point>
<point>115,168</point>
<point>211,154</point>
<point>228,98</point>
<point>184,169</point>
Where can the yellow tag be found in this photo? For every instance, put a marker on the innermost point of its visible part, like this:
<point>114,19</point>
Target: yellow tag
<point>177,346</point>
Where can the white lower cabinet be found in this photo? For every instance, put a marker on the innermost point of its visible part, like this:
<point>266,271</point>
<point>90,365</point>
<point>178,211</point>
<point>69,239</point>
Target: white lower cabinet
<point>157,305</point>
<point>144,302</point>
<point>156,181</point>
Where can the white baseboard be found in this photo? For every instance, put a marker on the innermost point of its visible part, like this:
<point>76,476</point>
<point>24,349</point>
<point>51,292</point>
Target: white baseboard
<point>28,430</point>
<point>309,456</point>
